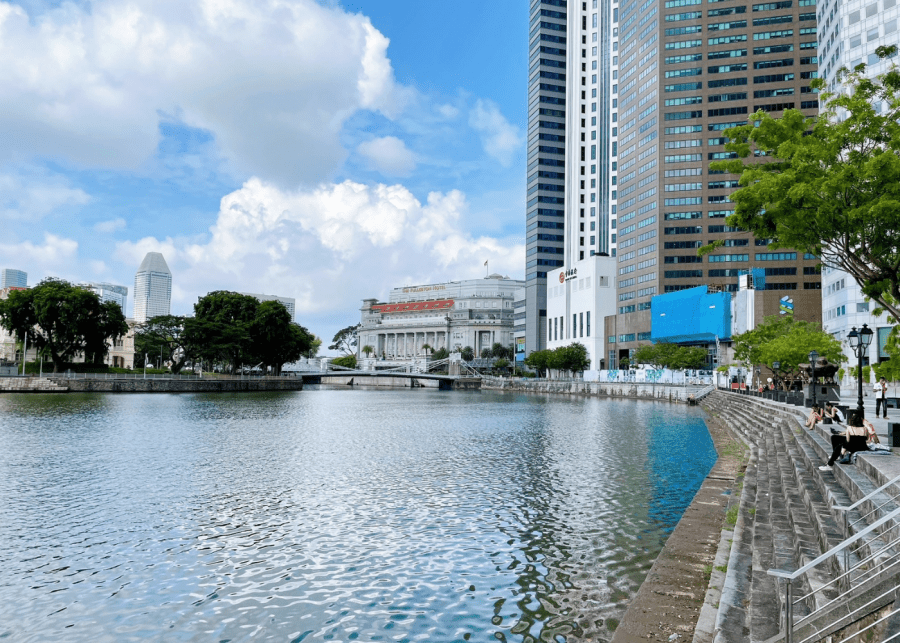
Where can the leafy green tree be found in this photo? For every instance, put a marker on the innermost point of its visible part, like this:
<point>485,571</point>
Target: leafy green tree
<point>570,359</point>
<point>368,350</point>
<point>828,186</point>
<point>275,339</point>
<point>747,346</point>
<point>671,356</point>
<point>503,352</point>
<point>440,353</point>
<point>62,320</point>
<point>162,335</point>
<point>467,353</point>
<point>793,348</point>
<point>539,361</point>
<point>220,330</point>
<point>501,363</point>
<point>345,340</point>
<point>347,361</point>
<point>486,353</point>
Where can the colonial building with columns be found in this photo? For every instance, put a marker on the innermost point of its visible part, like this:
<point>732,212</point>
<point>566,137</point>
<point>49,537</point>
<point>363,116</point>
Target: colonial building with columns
<point>453,315</point>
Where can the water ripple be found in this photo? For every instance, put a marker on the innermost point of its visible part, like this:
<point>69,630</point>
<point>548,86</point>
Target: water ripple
<point>334,515</point>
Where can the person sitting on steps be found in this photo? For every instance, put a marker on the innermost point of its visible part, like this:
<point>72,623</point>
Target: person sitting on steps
<point>870,429</point>
<point>854,439</point>
<point>815,416</point>
<point>833,413</point>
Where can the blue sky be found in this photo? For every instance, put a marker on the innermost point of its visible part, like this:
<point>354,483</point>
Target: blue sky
<point>326,151</point>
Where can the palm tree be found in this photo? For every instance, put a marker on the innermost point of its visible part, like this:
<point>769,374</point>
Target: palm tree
<point>368,350</point>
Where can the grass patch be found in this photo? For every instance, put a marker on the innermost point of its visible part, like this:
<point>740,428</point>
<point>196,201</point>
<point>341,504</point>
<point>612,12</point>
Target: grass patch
<point>731,516</point>
<point>722,568</point>
<point>752,511</point>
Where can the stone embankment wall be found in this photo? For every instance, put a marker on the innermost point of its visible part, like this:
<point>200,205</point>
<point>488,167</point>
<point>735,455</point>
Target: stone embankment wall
<point>29,385</point>
<point>180,386</point>
<point>634,390</point>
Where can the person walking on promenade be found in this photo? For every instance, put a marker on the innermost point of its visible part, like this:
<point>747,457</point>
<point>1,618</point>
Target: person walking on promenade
<point>881,397</point>
<point>854,439</point>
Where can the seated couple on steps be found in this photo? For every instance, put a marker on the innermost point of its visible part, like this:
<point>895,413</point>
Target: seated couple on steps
<point>832,414</point>
<point>854,439</point>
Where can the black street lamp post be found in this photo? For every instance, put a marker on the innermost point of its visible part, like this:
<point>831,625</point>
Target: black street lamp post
<point>758,380</point>
<point>813,358</point>
<point>859,342</point>
<point>776,366</point>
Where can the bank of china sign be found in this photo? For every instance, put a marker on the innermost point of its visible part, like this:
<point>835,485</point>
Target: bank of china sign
<point>568,275</point>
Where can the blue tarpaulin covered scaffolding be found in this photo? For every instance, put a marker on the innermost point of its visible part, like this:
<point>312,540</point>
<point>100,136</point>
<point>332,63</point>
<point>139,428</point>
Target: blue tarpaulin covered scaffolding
<point>692,316</point>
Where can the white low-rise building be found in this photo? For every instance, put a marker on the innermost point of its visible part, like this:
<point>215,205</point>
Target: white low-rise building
<point>477,313</point>
<point>579,297</point>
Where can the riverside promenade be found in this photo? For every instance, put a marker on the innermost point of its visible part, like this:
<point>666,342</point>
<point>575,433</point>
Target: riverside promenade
<point>153,384</point>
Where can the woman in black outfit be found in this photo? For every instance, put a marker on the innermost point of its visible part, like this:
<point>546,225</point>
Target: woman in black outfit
<point>853,439</point>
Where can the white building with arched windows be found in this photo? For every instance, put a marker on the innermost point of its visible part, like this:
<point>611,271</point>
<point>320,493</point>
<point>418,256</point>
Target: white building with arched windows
<point>452,315</point>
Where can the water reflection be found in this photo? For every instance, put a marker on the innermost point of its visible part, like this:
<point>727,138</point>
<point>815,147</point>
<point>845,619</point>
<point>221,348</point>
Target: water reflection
<point>334,515</point>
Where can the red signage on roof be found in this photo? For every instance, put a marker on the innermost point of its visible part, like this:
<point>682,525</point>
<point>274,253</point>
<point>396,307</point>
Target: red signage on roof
<point>414,306</point>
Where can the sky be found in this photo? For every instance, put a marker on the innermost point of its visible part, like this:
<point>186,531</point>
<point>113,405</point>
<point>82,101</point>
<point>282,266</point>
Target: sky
<point>327,151</point>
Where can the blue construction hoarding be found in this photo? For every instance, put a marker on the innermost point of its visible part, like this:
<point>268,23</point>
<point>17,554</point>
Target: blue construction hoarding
<point>691,316</point>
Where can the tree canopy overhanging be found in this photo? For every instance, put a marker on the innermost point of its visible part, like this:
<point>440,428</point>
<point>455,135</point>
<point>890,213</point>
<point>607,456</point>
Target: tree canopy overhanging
<point>828,186</point>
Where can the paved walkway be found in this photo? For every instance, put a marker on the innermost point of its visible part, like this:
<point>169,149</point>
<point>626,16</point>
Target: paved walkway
<point>850,397</point>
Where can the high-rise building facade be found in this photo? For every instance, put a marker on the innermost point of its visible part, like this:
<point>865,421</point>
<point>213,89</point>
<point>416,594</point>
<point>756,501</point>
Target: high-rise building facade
<point>10,278</point>
<point>152,288</point>
<point>684,72</point>
<point>544,213</point>
<point>109,292</point>
<point>567,212</point>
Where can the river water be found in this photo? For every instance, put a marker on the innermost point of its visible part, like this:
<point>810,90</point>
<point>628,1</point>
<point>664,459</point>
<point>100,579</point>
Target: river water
<point>335,515</point>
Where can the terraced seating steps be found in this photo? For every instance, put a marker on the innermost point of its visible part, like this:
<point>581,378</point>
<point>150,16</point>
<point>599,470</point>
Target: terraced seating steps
<point>785,518</point>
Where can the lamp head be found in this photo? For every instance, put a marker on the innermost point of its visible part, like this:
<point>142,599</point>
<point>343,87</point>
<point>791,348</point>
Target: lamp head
<point>865,335</point>
<point>776,366</point>
<point>813,357</point>
<point>853,338</point>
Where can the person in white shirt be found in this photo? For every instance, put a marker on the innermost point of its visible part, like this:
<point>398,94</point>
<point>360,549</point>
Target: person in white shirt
<point>881,397</point>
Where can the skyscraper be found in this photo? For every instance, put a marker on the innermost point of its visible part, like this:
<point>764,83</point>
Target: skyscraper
<point>10,278</point>
<point>289,302</point>
<point>152,288</point>
<point>109,292</point>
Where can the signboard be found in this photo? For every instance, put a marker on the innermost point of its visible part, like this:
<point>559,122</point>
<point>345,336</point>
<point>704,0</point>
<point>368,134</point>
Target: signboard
<point>520,345</point>
<point>786,306</point>
<point>424,289</point>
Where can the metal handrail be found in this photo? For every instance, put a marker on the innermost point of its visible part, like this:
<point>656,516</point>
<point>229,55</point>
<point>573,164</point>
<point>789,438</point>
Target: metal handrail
<point>868,497</point>
<point>790,577</point>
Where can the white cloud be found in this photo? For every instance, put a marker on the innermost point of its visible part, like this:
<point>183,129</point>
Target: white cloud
<point>30,195</point>
<point>389,155</point>
<point>448,111</point>
<point>499,137</point>
<point>329,247</point>
<point>56,256</point>
<point>274,80</point>
<point>113,225</point>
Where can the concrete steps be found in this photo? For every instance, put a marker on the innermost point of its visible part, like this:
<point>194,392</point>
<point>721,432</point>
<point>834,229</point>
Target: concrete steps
<point>786,516</point>
<point>30,385</point>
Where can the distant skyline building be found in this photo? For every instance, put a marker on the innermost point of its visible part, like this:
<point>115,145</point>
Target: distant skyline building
<point>10,278</point>
<point>109,292</point>
<point>152,288</point>
<point>289,302</point>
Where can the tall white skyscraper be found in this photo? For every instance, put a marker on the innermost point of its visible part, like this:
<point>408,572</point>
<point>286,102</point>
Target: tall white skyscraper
<point>152,288</point>
<point>10,278</point>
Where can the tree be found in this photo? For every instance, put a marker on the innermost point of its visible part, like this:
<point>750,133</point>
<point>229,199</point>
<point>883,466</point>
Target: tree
<point>747,346</point>
<point>829,186</point>
<point>275,339</point>
<point>162,335</point>
<point>440,353</point>
<point>345,340</point>
<point>539,361</point>
<point>467,353</point>
<point>502,352</point>
<point>347,361</point>
<point>671,356</point>
<point>792,349</point>
<point>62,320</point>
<point>486,353</point>
<point>220,330</point>
<point>574,358</point>
<point>368,350</point>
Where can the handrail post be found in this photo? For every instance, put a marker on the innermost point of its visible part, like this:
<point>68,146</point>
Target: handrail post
<point>789,612</point>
